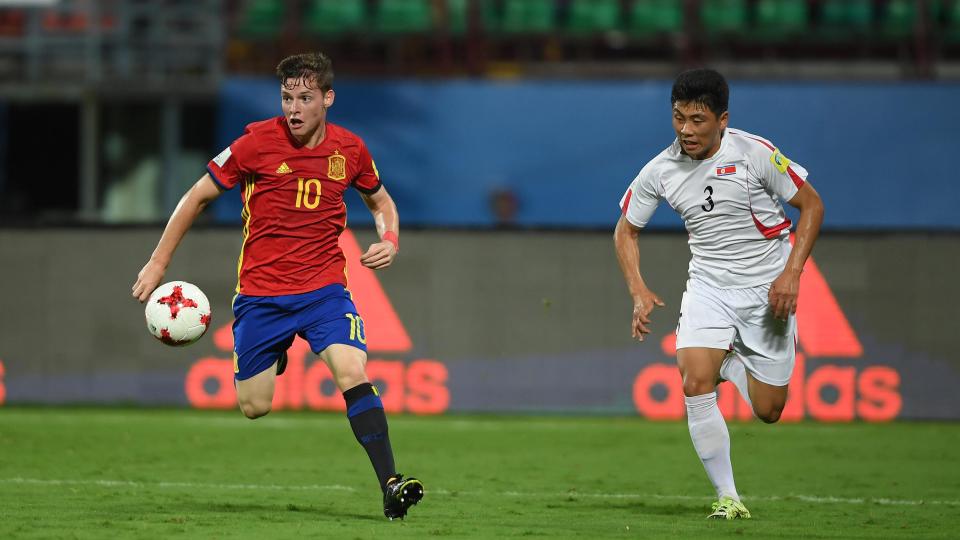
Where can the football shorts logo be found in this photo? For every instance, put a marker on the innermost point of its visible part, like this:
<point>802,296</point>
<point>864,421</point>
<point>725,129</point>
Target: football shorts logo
<point>726,170</point>
<point>284,168</point>
<point>779,160</point>
<point>337,166</point>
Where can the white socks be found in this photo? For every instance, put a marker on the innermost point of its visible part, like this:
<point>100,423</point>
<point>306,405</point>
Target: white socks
<point>712,442</point>
<point>734,371</point>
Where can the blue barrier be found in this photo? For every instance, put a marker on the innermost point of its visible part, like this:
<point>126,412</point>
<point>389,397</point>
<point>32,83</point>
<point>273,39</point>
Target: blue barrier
<point>880,154</point>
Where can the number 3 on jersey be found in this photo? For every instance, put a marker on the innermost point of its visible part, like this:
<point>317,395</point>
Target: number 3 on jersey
<point>308,193</point>
<point>709,191</point>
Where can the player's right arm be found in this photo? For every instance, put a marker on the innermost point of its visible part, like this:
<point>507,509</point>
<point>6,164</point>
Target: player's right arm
<point>628,255</point>
<point>191,204</point>
<point>637,205</point>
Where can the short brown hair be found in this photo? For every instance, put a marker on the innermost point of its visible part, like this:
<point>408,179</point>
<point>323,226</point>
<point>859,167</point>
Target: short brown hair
<point>314,66</point>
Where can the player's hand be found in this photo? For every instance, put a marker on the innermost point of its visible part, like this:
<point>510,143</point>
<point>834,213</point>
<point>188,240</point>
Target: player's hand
<point>783,294</point>
<point>643,304</point>
<point>379,256</point>
<point>147,280</point>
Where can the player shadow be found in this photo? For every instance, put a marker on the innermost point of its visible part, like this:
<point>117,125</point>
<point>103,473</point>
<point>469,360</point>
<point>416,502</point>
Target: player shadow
<point>667,509</point>
<point>282,511</point>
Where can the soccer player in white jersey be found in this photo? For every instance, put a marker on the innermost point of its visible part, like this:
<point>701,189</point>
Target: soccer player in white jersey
<point>737,316</point>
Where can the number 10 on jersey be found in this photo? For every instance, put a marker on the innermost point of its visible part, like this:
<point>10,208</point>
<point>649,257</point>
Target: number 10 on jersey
<point>308,193</point>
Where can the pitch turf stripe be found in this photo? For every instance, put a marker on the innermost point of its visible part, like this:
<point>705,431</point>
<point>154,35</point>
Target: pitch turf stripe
<point>569,494</point>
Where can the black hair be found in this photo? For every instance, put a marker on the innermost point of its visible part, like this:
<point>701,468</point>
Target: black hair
<point>703,86</point>
<point>308,67</point>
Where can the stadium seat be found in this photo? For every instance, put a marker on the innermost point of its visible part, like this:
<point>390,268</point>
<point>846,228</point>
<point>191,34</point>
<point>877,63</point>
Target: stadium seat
<point>528,16</point>
<point>723,16</point>
<point>261,19</point>
<point>457,11</point>
<point>898,19</point>
<point>404,16</point>
<point>951,30</point>
<point>457,16</point>
<point>593,16</point>
<point>841,18</point>
<point>649,17</point>
<point>779,20</point>
<point>334,17</point>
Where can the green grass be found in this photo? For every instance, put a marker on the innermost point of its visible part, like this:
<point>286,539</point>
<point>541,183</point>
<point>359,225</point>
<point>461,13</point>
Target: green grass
<point>122,473</point>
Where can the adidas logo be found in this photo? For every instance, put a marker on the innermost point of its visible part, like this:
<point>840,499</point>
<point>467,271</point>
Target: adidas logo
<point>284,169</point>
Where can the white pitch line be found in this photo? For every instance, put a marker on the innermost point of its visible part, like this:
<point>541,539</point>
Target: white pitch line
<point>568,494</point>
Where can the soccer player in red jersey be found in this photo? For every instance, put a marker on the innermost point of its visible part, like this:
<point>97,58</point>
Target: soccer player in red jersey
<point>293,171</point>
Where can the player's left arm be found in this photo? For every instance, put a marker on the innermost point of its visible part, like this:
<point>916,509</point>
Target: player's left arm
<point>786,288</point>
<point>381,254</point>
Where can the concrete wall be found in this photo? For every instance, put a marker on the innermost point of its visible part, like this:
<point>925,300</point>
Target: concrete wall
<point>470,321</point>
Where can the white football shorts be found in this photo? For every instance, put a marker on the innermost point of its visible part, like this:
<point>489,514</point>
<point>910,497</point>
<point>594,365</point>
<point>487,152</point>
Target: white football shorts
<point>742,322</point>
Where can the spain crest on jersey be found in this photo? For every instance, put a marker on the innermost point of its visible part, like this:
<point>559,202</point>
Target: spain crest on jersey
<point>337,166</point>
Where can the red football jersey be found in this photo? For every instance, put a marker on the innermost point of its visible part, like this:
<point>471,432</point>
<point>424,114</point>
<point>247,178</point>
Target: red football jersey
<point>293,209</point>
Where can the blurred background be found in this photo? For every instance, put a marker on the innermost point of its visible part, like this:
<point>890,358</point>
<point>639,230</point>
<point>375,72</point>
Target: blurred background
<point>507,131</point>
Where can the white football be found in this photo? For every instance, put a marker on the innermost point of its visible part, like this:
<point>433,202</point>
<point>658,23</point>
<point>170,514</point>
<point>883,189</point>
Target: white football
<point>178,313</point>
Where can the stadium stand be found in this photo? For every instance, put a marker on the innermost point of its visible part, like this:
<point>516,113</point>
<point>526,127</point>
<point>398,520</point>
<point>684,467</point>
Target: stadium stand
<point>593,16</point>
<point>404,17</point>
<point>334,17</point>
<point>259,19</point>
<point>528,17</point>
<point>655,17</point>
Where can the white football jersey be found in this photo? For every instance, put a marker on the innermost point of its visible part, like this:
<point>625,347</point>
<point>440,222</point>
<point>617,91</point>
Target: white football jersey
<point>739,234</point>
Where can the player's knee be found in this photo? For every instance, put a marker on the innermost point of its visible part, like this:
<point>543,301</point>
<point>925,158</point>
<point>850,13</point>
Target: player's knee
<point>769,415</point>
<point>348,378</point>
<point>693,386</point>
<point>255,408</point>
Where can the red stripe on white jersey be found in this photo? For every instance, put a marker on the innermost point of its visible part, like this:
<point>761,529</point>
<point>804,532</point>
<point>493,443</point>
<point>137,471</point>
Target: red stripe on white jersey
<point>770,232</point>
<point>797,181</point>
<point>763,142</point>
<point>626,201</point>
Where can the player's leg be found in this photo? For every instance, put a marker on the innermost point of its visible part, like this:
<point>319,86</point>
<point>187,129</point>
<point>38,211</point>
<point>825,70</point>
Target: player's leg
<point>699,367</point>
<point>262,332</point>
<point>364,408</point>
<point>767,400</point>
<point>734,371</point>
<point>704,335</point>
<point>255,395</point>
<point>339,336</point>
<point>766,348</point>
<point>369,424</point>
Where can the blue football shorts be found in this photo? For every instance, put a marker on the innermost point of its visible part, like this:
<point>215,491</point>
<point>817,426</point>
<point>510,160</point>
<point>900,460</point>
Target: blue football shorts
<point>265,326</point>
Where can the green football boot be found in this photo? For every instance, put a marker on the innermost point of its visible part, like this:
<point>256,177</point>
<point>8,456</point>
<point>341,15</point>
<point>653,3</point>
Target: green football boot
<point>728,508</point>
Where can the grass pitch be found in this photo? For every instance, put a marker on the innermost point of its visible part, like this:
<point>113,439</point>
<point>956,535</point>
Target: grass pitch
<point>130,473</point>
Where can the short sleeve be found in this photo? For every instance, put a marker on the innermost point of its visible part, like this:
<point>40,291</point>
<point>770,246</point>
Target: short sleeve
<point>234,163</point>
<point>641,198</point>
<point>778,174</point>
<point>367,180</point>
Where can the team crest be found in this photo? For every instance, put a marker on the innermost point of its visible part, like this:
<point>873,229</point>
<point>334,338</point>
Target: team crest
<point>337,166</point>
